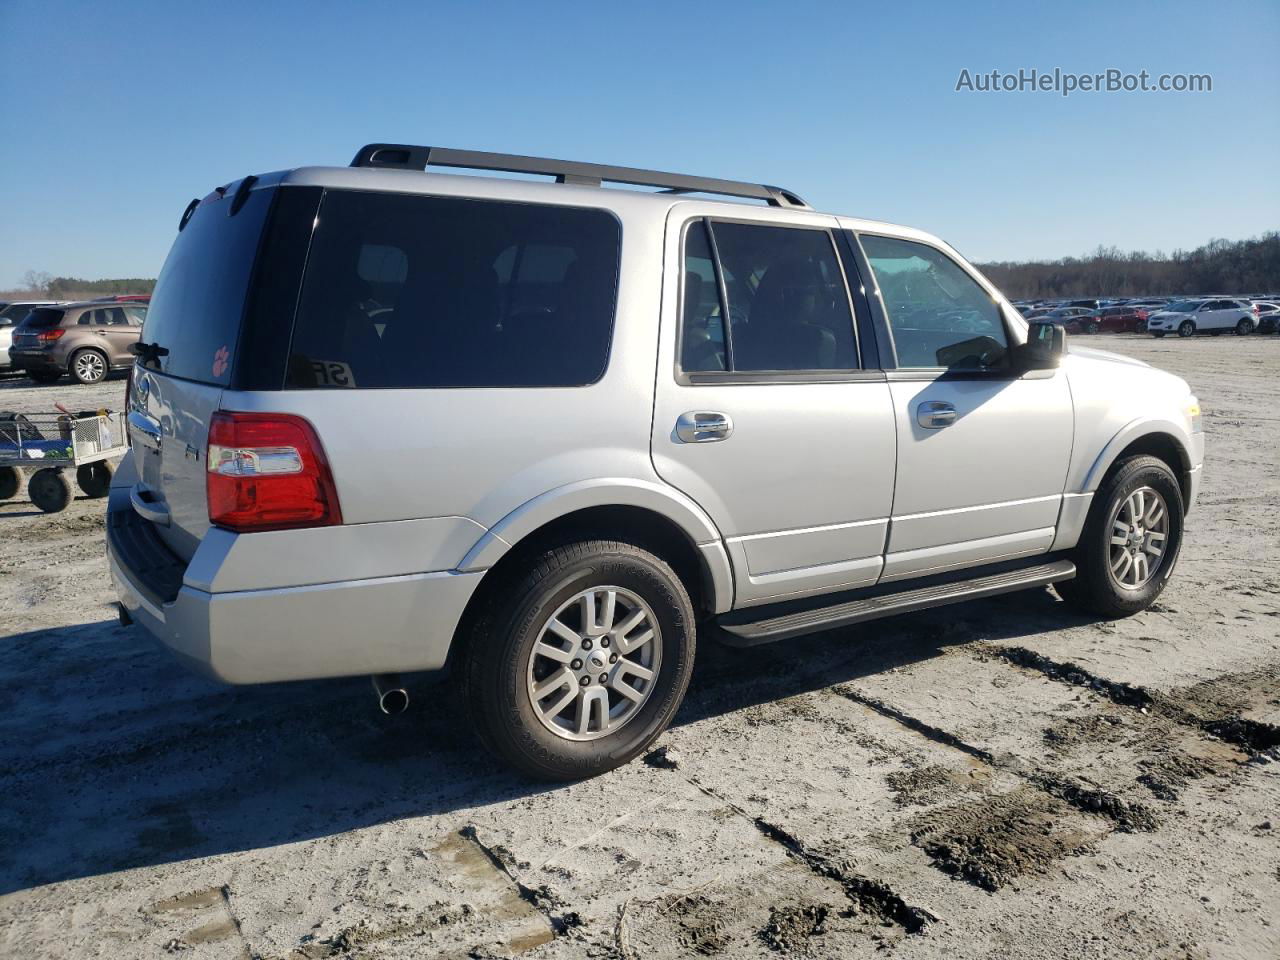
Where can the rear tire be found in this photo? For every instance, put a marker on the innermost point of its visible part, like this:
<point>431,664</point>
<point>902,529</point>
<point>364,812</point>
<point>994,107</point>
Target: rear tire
<point>49,489</point>
<point>10,482</point>
<point>1244,328</point>
<point>542,607</point>
<point>94,479</point>
<point>1093,328</point>
<point>1101,568</point>
<point>88,366</point>
<point>1186,328</point>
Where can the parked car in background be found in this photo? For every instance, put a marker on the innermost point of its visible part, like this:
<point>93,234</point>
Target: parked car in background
<point>1268,314</point>
<point>86,340</point>
<point>1124,319</point>
<point>1210,315</point>
<point>13,312</point>
<point>1091,303</point>
<point>1062,315</point>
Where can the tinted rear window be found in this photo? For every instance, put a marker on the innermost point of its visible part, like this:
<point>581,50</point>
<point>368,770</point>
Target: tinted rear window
<point>196,309</point>
<point>412,291</point>
<point>43,317</point>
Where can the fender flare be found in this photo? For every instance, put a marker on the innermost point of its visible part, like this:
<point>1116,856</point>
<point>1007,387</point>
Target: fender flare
<point>1131,431</point>
<point>659,498</point>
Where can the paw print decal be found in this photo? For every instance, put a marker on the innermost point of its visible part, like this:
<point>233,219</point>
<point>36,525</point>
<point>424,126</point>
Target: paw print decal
<point>221,360</point>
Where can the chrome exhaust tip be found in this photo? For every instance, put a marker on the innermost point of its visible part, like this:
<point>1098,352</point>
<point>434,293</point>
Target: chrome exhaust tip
<point>393,698</point>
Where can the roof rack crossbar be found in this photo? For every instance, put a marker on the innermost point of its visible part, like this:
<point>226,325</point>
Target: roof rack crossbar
<point>409,157</point>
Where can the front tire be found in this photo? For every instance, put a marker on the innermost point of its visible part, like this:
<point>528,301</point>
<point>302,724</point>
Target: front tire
<point>1130,542</point>
<point>10,482</point>
<point>579,663</point>
<point>1186,328</point>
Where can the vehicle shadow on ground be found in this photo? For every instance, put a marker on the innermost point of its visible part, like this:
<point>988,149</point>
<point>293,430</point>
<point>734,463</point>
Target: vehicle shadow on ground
<point>114,756</point>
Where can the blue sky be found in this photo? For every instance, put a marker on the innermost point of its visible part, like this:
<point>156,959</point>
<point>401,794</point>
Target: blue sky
<point>116,114</point>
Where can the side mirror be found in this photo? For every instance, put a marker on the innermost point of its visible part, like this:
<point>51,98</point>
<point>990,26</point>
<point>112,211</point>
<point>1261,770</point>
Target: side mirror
<point>1045,346</point>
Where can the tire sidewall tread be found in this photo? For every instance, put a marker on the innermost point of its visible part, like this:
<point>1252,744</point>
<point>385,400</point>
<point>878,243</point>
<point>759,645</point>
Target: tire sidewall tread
<point>1093,588</point>
<point>495,659</point>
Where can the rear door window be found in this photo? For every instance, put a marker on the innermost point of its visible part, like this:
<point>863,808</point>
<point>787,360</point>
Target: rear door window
<point>408,291</point>
<point>788,307</point>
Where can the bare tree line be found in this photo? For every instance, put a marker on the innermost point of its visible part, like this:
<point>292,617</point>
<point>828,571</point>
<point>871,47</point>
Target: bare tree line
<point>1220,266</point>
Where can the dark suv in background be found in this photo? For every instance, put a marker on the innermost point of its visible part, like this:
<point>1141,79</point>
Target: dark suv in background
<point>86,340</point>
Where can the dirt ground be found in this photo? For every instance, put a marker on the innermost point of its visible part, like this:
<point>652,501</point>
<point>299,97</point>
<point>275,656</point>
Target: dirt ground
<point>1003,778</point>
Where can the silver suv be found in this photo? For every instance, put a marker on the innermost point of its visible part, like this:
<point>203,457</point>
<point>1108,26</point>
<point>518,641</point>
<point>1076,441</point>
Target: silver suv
<point>545,434</point>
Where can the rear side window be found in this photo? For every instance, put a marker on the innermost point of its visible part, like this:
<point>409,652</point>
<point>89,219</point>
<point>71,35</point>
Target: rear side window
<point>410,291</point>
<point>197,306</point>
<point>42,318</point>
<point>788,309</point>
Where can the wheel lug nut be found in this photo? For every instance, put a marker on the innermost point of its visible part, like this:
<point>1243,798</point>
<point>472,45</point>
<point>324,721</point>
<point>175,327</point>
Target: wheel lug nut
<point>585,681</point>
<point>604,678</point>
<point>577,664</point>
<point>586,644</point>
<point>604,641</point>
<point>613,658</point>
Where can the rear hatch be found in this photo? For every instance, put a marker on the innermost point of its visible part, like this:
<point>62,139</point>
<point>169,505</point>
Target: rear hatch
<point>226,267</point>
<point>26,335</point>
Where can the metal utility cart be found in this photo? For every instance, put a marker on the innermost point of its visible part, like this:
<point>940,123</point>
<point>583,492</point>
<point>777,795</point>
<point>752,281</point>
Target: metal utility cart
<point>51,443</point>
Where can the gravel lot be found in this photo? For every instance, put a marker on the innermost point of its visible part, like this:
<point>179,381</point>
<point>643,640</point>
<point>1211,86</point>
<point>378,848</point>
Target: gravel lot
<point>1002,778</point>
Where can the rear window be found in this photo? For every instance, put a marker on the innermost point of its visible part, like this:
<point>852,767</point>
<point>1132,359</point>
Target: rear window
<point>199,299</point>
<point>410,291</point>
<point>42,318</point>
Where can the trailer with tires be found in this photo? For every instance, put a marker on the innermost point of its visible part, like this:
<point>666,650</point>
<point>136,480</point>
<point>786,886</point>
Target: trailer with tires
<point>49,445</point>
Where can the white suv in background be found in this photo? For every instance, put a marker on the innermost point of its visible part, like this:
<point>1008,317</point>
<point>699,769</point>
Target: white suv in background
<point>1213,316</point>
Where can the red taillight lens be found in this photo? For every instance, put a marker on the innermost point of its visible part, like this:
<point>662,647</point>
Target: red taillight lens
<point>267,471</point>
<point>50,335</point>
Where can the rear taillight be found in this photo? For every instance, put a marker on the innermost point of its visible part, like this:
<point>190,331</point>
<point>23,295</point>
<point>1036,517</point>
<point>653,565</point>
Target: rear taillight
<point>267,471</point>
<point>50,335</point>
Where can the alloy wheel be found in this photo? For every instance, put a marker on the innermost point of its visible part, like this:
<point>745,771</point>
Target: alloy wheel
<point>1139,538</point>
<point>595,663</point>
<point>90,367</point>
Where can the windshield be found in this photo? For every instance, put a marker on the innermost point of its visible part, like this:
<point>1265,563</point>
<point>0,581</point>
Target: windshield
<point>1183,306</point>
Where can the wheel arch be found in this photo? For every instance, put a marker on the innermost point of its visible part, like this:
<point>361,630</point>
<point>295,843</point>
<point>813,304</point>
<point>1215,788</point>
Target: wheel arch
<point>1158,438</point>
<point>652,514</point>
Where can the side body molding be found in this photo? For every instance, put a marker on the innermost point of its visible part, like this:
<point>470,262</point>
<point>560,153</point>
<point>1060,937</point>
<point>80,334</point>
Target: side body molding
<point>609,492</point>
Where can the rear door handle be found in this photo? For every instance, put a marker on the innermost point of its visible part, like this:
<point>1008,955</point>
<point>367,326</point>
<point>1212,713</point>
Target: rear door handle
<point>935,414</point>
<point>703,426</point>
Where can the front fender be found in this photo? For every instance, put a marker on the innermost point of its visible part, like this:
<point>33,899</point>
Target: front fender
<point>605,492</point>
<point>1134,430</point>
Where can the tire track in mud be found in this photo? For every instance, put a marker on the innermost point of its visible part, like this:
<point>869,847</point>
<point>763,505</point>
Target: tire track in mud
<point>868,896</point>
<point>1214,706</point>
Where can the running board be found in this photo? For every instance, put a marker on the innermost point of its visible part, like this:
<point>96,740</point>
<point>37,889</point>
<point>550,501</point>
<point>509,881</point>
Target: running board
<point>754,632</point>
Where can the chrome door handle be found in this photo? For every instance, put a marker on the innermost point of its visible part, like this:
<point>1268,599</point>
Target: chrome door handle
<point>702,426</point>
<point>935,414</point>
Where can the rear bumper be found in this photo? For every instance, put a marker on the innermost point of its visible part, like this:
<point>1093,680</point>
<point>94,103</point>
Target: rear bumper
<point>33,360</point>
<point>376,625</point>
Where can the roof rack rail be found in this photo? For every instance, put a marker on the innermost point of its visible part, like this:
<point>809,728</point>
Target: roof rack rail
<point>409,157</point>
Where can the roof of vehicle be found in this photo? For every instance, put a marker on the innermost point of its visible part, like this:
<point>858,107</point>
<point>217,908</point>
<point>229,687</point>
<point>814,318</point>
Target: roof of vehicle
<point>572,189</point>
